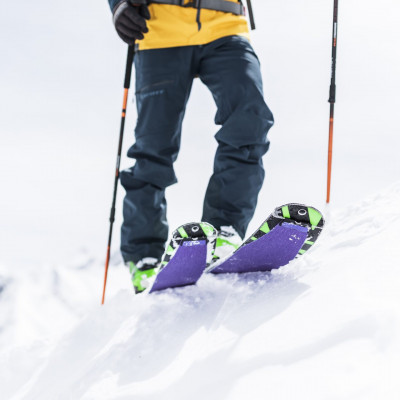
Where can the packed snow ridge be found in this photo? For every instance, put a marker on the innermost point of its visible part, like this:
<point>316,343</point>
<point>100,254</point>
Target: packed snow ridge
<point>324,327</point>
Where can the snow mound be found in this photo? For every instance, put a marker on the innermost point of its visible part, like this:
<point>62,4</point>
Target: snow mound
<point>324,327</point>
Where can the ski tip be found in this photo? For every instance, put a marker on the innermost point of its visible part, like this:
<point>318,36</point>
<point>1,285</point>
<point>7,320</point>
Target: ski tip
<point>194,230</point>
<point>301,213</point>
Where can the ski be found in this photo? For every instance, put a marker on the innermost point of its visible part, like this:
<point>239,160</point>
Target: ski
<point>289,232</point>
<point>186,257</point>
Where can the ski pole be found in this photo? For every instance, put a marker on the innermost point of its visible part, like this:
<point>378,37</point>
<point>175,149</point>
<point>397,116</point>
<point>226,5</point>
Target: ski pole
<point>251,15</point>
<point>128,72</point>
<point>332,97</point>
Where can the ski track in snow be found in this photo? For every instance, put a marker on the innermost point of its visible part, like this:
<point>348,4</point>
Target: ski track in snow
<point>326,326</point>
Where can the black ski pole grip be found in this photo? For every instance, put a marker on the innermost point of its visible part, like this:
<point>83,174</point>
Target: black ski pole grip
<point>251,15</point>
<point>332,94</point>
<point>112,215</point>
<point>128,70</point>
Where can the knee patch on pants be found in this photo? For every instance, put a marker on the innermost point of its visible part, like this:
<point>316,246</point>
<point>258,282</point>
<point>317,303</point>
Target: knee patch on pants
<point>246,133</point>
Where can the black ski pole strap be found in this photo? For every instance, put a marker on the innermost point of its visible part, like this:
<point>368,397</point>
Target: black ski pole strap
<point>216,5</point>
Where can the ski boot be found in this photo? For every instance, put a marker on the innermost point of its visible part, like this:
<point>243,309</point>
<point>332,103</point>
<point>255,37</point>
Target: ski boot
<point>142,272</point>
<point>228,240</point>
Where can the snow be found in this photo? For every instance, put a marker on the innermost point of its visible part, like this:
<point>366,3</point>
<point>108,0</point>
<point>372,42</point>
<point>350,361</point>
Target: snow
<point>324,327</point>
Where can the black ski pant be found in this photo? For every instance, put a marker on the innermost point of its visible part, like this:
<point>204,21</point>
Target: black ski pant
<point>230,69</point>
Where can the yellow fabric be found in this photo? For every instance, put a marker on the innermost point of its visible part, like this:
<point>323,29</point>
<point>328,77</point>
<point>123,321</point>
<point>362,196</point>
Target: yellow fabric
<point>171,26</point>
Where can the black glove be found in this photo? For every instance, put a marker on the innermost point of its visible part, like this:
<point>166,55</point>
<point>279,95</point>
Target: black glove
<point>130,20</point>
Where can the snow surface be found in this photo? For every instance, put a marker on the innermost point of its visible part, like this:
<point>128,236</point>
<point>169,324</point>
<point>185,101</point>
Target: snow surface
<point>324,327</point>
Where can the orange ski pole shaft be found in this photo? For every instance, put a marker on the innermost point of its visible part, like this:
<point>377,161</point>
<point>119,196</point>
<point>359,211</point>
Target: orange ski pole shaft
<point>332,98</point>
<point>330,145</point>
<point>128,73</point>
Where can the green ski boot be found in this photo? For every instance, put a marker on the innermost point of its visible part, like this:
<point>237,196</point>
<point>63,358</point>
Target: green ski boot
<point>228,240</point>
<point>142,273</point>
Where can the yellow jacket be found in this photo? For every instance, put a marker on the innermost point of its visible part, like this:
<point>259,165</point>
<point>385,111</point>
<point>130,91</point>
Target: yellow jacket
<point>171,26</point>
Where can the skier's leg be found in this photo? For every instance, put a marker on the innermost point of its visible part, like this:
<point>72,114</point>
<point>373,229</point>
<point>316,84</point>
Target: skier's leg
<point>163,83</point>
<point>231,70</point>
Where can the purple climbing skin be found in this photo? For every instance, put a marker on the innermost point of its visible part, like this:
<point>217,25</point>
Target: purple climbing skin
<point>184,268</point>
<point>271,251</point>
